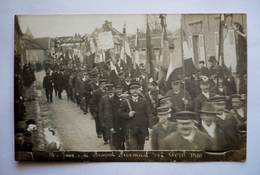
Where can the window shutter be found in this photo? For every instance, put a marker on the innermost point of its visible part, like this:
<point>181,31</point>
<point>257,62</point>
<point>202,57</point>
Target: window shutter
<point>216,40</point>
<point>201,48</point>
<point>191,47</point>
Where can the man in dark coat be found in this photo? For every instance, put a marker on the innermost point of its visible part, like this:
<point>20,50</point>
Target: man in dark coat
<point>210,126</point>
<point>187,137</point>
<point>152,98</point>
<point>180,98</point>
<point>136,113</point>
<point>95,102</point>
<point>91,87</point>
<point>80,88</point>
<point>48,86</point>
<point>105,114</point>
<point>204,96</point>
<point>118,127</point>
<point>226,120</point>
<point>59,82</point>
<point>163,128</point>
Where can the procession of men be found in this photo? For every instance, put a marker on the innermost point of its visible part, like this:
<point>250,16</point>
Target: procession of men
<point>133,103</point>
<point>129,110</point>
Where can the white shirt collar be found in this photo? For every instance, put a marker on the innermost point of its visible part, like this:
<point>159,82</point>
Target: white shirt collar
<point>135,99</point>
<point>222,116</point>
<point>190,137</point>
<point>240,111</point>
<point>210,129</point>
<point>206,94</point>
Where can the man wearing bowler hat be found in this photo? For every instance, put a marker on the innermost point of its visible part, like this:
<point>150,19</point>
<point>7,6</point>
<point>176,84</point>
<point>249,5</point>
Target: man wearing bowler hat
<point>163,128</point>
<point>187,137</point>
<point>136,113</point>
<point>210,126</point>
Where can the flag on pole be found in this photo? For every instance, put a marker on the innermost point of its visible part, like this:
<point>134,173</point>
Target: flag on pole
<point>125,51</point>
<point>180,58</point>
<point>136,70</point>
<point>152,65</point>
<point>164,60</point>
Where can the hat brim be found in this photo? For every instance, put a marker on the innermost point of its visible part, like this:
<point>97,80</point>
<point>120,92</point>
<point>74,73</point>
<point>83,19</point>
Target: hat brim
<point>209,112</point>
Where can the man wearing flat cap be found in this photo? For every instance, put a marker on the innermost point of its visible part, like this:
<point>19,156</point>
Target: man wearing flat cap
<point>152,98</point>
<point>226,120</point>
<point>95,102</point>
<point>105,115</point>
<point>180,98</point>
<point>204,96</point>
<point>136,113</point>
<point>187,137</point>
<point>163,128</point>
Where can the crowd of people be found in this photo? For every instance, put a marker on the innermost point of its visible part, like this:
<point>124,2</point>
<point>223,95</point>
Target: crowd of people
<point>203,111</point>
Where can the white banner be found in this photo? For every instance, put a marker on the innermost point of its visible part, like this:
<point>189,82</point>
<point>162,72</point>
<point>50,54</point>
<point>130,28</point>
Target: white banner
<point>106,40</point>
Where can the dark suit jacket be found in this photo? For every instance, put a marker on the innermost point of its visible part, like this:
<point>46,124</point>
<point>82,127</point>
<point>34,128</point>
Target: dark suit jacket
<point>199,100</point>
<point>175,141</point>
<point>118,122</point>
<point>95,101</point>
<point>139,122</point>
<point>177,102</point>
<point>47,82</point>
<point>158,133</point>
<point>105,114</point>
<point>90,88</point>
<point>220,142</point>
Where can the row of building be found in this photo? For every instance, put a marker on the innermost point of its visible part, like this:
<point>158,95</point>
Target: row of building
<point>201,31</point>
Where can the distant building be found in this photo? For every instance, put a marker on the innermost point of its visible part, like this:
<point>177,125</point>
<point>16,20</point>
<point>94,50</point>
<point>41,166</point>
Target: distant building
<point>202,32</point>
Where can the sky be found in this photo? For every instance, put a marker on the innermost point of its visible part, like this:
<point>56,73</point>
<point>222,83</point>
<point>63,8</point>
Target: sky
<point>68,25</point>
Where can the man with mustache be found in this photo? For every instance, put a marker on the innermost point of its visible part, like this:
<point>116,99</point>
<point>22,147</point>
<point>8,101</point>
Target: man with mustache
<point>136,113</point>
<point>187,137</point>
<point>204,96</point>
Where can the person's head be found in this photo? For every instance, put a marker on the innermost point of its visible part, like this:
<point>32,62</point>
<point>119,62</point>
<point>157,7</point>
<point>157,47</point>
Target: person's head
<point>19,136</point>
<point>134,89</point>
<point>127,79</point>
<point>165,101</point>
<point>207,113</point>
<point>236,101</point>
<point>110,89</point>
<point>102,83</point>
<point>176,85</point>
<point>219,103</point>
<point>121,75</point>
<point>152,84</point>
<point>163,113</point>
<point>201,64</point>
<point>142,71</point>
<point>212,60</point>
<point>238,26</point>
<point>95,75</point>
<point>204,85</point>
<point>185,122</point>
<point>118,89</point>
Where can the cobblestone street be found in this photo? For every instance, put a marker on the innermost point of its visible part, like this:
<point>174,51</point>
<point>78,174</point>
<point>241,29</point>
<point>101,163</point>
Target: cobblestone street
<point>75,130</point>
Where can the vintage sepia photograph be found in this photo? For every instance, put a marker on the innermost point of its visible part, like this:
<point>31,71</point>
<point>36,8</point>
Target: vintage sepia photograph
<point>130,88</point>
